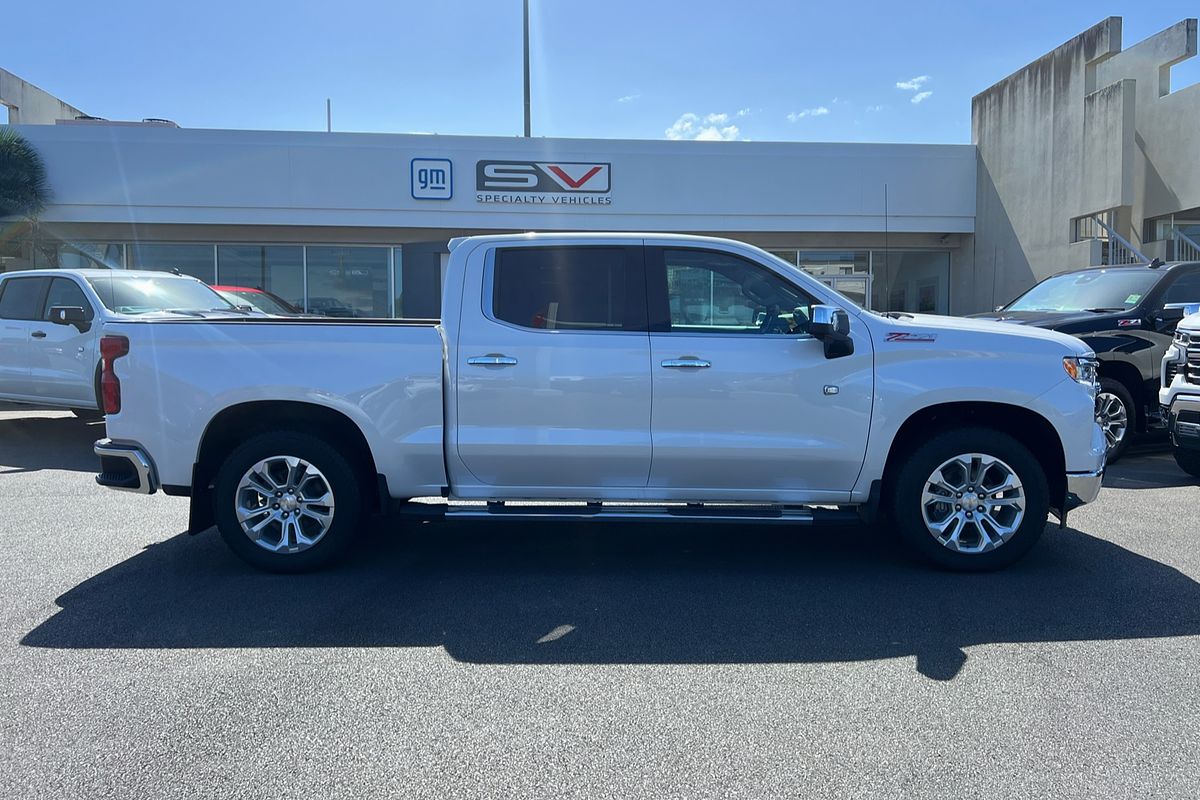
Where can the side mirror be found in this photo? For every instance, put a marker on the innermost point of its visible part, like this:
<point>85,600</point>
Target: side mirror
<point>69,315</point>
<point>998,308</point>
<point>831,325</point>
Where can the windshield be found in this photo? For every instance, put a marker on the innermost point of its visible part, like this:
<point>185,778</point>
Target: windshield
<point>129,294</point>
<point>1094,290</point>
<point>259,301</point>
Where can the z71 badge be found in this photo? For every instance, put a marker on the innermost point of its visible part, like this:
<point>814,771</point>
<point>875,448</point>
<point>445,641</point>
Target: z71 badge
<point>905,336</point>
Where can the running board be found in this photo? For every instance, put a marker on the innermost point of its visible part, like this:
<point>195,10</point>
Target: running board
<point>617,512</point>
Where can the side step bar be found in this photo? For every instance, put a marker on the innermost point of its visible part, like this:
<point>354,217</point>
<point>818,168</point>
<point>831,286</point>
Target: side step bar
<point>617,512</point>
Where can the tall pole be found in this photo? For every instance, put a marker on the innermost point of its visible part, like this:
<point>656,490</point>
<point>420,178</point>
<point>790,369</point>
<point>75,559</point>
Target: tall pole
<point>526,27</point>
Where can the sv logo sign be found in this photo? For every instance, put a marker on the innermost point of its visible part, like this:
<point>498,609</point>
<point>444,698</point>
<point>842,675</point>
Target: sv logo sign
<point>537,176</point>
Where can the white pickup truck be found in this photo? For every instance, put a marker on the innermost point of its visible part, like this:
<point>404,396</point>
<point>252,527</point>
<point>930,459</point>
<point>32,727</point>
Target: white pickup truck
<point>1179,394</point>
<point>608,376</point>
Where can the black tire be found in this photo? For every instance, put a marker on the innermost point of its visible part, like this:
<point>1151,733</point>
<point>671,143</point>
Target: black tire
<point>1188,461</point>
<point>88,414</point>
<point>338,473</point>
<point>909,484</point>
<point>1121,392</point>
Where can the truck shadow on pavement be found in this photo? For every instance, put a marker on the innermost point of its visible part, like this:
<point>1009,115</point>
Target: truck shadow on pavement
<point>1146,468</point>
<point>628,594</point>
<point>32,443</point>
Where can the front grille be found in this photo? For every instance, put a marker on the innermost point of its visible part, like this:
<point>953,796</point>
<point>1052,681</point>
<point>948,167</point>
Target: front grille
<point>1193,363</point>
<point>1169,372</point>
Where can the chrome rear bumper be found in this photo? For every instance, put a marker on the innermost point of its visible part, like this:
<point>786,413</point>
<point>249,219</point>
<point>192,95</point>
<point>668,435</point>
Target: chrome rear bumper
<point>125,467</point>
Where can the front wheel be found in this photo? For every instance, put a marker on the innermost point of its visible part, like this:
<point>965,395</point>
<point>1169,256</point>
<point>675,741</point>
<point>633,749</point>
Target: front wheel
<point>971,499</point>
<point>287,502</point>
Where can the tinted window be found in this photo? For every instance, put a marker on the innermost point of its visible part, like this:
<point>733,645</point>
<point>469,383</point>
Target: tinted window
<point>561,288</point>
<point>710,292</point>
<point>22,298</point>
<point>65,292</point>
<point>1186,289</point>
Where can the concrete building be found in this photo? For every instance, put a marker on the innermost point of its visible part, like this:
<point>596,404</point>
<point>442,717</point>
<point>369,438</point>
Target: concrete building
<point>28,105</point>
<point>1083,156</point>
<point>1086,156</point>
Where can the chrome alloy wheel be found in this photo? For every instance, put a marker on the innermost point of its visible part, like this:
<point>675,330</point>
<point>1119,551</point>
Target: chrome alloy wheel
<point>973,503</point>
<point>1113,418</point>
<point>284,504</point>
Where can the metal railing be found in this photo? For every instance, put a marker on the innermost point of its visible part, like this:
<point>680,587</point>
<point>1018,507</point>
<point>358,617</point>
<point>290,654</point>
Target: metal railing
<point>1118,249</point>
<point>1186,248</point>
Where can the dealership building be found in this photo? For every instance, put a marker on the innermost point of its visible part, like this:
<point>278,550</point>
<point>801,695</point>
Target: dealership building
<point>1086,156</point>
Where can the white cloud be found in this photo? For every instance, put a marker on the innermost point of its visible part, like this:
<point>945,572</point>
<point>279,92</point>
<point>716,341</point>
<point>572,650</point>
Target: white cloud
<point>796,116</point>
<point>743,112</point>
<point>875,109</point>
<point>919,96</point>
<point>709,128</point>
<point>629,98</point>
<point>913,84</point>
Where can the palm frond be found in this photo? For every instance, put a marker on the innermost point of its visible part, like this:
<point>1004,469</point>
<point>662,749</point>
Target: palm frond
<point>24,187</point>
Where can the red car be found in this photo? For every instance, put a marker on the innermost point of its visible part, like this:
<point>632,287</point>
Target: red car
<point>259,300</point>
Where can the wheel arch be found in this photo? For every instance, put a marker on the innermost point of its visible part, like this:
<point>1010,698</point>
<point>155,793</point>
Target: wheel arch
<point>244,420</point>
<point>1129,376</point>
<point>1026,426</point>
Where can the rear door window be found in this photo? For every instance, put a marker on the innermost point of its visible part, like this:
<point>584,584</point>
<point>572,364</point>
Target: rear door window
<point>22,298</point>
<point>569,288</point>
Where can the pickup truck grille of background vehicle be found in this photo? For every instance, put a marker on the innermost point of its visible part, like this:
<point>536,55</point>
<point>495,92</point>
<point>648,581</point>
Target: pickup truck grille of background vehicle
<point>1193,363</point>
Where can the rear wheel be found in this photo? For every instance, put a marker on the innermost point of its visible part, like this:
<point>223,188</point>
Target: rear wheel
<point>287,502</point>
<point>1188,461</point>
<point>971,499</point>
<point>1117,415</point>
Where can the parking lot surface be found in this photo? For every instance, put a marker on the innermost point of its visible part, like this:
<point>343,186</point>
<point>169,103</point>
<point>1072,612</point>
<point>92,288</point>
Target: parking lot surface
<point>597,661</point>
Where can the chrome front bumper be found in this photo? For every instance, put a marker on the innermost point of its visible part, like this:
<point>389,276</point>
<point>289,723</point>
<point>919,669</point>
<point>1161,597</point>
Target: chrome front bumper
<point>125,467</point>
<point>1083,487</point>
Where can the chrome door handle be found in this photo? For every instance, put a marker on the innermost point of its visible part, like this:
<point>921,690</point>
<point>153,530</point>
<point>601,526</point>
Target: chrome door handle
<point>686,363</point>
<point>492,361</point>
<point>38,334</point>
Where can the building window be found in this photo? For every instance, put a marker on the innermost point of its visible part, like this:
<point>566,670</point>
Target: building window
<point>912,280</point>
<point>1087,227</point>
<point>91,255</point>
<point>349,281</point>
<point>278,269</point>
<point>398,282</point>
<point>197,260</point>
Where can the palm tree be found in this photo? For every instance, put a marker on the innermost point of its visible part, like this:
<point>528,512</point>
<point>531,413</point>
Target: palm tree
<point>24,188</point>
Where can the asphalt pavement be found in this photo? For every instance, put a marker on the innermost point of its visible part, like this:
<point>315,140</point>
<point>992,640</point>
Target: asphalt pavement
<point>589,661</point>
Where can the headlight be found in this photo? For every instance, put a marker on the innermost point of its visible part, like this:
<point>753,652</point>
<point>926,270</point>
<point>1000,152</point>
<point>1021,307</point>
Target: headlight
<point>1082,369</point>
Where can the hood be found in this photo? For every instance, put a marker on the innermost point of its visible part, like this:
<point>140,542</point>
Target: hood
<point>931,324</point>
<point>1075,322</point>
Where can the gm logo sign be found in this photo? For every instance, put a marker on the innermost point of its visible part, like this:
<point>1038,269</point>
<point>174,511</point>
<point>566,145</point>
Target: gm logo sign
<point>432,179</point>
<point>536,176</point>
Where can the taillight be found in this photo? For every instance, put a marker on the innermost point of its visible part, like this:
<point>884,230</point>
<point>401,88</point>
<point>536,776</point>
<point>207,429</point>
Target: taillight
<point>111,348</point>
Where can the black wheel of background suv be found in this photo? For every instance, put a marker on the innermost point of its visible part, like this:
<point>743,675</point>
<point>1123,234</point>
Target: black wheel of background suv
<point>970,499</point>
<point>1188,461</point>
<point>1117,414</point>
<point>287,502</point>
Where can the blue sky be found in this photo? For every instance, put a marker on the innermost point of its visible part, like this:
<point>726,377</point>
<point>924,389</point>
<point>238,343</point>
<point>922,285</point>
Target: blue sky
<point>753,69</point>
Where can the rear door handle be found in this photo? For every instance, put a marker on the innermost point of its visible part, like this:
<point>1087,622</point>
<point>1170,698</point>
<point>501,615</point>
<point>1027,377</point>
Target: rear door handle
<point>38,334</point>
<point>686,363</point>
<point>492,360</point>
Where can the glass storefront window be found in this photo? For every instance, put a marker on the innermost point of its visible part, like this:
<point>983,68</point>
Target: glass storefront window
<point>278,269</point>
<point>348,281</point>
<point>916,281</point>
<point>398,280</point>
<point>827,264</point>
<point>190,259</point>
<point>91,255</point>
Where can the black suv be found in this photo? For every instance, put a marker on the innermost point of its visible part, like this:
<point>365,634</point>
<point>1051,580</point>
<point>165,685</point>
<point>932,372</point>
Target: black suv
<point>1127,314</point>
